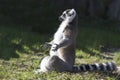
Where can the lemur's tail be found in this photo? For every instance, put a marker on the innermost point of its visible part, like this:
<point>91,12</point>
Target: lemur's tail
<point>108,66</point>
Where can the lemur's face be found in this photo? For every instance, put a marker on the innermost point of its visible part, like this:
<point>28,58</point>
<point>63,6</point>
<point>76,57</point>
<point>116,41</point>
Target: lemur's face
<point>68,14</point>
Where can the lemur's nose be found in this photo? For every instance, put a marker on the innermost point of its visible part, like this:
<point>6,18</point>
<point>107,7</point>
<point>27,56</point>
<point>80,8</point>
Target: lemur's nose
<point>60,18</point>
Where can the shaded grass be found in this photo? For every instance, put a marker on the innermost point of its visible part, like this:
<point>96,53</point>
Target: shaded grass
<point>15,40</point>
<point>95,39</point>
<point>96,34</point>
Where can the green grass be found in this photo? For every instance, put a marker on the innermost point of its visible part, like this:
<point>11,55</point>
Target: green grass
<point>21,52</point>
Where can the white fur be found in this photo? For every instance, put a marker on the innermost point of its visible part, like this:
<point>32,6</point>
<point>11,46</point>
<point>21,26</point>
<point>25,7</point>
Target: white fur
<point>71,18</point>
<point>111,65</point>
<point>58,36</point>
<point>118,70</point>
<point>105,66</point>
<point>97,65</point>
<point>43,65</point>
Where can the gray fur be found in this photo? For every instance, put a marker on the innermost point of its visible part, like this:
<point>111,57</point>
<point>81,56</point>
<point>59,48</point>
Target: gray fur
<point>63,45</point>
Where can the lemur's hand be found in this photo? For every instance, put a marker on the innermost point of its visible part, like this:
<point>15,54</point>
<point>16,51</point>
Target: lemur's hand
<point>54,47</point>
<point>47,45</point>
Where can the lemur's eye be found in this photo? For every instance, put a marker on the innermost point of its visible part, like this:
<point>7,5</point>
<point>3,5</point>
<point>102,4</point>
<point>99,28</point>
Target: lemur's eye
<point>69,14</point>
<point>68,11</point>
<point>63,15</point>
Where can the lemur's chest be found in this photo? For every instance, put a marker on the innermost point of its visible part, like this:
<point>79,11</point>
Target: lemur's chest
<point>60,32</point>
<point>57,37</point>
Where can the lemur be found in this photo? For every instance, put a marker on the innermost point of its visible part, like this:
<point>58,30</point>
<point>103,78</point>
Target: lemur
<point>63,46</point>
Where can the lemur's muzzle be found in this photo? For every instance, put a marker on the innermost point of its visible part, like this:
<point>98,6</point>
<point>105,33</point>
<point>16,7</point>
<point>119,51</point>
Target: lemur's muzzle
<point>61,18</point>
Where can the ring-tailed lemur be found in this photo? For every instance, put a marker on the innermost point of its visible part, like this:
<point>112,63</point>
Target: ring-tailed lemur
<point>63,45</point>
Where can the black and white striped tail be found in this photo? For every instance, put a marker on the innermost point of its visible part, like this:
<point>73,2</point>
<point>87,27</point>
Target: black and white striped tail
<point>108,66</point>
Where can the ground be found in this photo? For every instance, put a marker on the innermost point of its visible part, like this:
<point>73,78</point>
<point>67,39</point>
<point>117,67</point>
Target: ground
<point>21,52</point>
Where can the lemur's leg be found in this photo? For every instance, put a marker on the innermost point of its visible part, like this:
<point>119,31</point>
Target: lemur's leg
<point>58,64</point>
<point>51,63</point>
<point>42,66</point>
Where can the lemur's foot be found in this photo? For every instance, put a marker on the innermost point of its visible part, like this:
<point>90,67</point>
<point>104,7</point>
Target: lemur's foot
<point>118,70</point>
<point>38,71</point>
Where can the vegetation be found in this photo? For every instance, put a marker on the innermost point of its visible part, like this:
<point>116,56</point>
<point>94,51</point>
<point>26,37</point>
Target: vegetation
<point>21,51</point>
<point>34,13</point>
<point>25,25</point>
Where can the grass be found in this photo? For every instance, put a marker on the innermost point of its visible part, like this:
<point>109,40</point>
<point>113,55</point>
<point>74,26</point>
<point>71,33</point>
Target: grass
<point>21,52</point>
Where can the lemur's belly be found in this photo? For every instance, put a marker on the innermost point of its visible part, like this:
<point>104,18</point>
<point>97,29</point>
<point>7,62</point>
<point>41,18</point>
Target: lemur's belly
<point>67,54</point>
<point>58,37</point>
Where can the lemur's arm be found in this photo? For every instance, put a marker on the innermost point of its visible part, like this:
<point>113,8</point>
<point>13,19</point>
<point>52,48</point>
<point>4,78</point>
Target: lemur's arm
<point>47,45</point>
<point>66,41</point>
<point>68,37</point>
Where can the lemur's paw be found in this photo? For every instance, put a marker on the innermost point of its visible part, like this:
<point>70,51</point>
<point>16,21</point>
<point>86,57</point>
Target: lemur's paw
<point>47,45</point>
<point>38,71</point>
<point>54,47</point>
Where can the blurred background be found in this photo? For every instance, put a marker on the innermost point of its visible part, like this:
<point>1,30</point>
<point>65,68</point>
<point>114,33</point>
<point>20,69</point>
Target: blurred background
<point>25,25</point>
<point>42,15</point>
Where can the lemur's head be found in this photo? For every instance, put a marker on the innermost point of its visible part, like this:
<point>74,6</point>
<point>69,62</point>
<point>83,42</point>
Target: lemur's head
<point>69,14</point>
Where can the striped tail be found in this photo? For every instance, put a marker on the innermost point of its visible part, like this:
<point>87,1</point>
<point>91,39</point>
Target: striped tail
<point>108,66</point>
